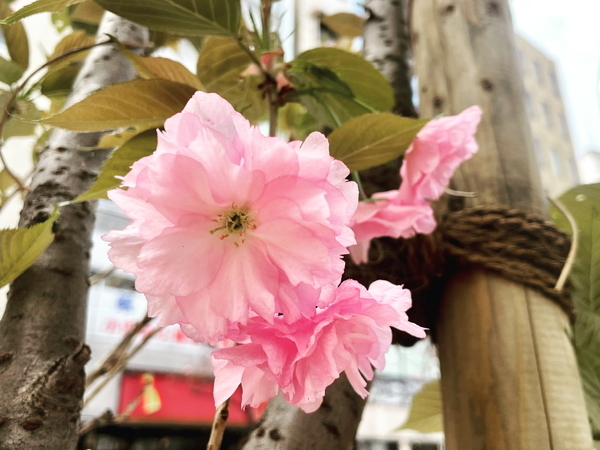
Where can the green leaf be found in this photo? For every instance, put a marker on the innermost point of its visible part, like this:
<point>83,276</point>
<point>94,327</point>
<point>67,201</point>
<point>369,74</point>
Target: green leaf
<point>6,183</point>
<point>426,410</point>
<point>21,122</point>
<point>58,80</point>
<point>58,83</point>
<point>220,66</point>
<point>15,38</point>
<point>119,164</point>
<point>73,41</point>
<point>88,12</point>
<point>20,247</point>
<point>336,85</point>
<point>10,71</point>
<point>344,24</point>
<point>183,17</point>
<point>138,103</point>
<point>150,68</point>
<point>373,139</point>
<point>583,202</point>
<point>39,7</point>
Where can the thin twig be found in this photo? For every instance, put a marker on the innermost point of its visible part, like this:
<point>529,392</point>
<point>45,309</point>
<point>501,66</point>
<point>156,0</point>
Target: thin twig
<point>120,365</point>
<point>105,418</point>
<point>117,353</point>
<point>218,426</point>
<point>566,270</point>
<point>101,276</point>
<point>273,110</point>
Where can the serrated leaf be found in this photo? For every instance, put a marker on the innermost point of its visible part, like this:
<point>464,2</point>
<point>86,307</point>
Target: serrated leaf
<point>220,66</point>
<point>21,122</point>
<point>73,41</point>
<point>138,103</point>
<point>10,71</point>
<point>119,163</point>
<point>61,74</point>
<point>373,139</point>
<point>58,83</point>
<point>88,12</point>
<point>20,247</point>
<point>426,410</point>
<point>39,7</point>
<point>167,69</point>
<point>15,38</point>
<point>336,85</point>
<point>583,202</point>
<point>182,17</point>
<point>6,182</point>
<point>117,139</point>
<point>344,24</point>
<point>150,68</point>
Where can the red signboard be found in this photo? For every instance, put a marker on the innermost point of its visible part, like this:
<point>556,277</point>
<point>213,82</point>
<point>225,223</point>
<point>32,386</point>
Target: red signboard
<point>160,397</point>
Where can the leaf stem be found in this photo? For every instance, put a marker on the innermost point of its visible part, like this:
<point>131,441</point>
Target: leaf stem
<point>356,178</point>
<point>566,270</point>
<point>266,23</point>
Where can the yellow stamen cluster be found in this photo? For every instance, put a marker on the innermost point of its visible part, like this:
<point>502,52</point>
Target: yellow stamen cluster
<point>234,223</point>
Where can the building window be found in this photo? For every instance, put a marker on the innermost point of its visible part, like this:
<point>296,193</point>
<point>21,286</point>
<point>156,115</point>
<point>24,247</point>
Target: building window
<point>529,104</point>
<point>538,72</point>
<point>556,162</point>
<point>564,128</point>
<point>539,153</point>
<point>521,61</point>
<point>554,81</point>
<point>547,115</point>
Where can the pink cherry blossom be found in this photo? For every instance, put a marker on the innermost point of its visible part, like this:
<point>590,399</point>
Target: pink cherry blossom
<point>388,216</point>
<point>227,223</point>
<point>439,148</point>
<point>437,151</point>
<point>300,359</point>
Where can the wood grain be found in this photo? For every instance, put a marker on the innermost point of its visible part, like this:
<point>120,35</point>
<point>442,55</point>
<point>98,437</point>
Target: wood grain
<point>509,375</point>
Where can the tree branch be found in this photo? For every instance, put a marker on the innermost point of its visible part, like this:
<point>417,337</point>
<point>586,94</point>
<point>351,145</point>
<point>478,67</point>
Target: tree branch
<point>42,383</point>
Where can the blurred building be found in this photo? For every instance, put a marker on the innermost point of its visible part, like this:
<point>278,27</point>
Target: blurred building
<point>549,124</point>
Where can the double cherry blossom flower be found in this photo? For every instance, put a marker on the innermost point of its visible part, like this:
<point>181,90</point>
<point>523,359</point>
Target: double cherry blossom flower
<point>237,236</point>
<point>439,148</point>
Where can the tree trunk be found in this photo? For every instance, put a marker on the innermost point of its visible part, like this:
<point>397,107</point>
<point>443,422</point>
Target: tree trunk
<point>42,353</point>
<point>387,46</point>
<point>332,427</point>
<point>509,375</point>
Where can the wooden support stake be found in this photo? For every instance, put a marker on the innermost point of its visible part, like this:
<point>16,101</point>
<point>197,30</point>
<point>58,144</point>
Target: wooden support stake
<point>509,375</point>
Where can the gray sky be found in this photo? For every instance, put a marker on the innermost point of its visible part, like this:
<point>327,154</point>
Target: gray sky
<point>569,33</point>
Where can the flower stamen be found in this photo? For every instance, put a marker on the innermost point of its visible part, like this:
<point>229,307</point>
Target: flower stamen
<point>234,221</point>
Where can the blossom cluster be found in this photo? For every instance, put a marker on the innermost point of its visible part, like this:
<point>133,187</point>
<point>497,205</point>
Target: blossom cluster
<point>239,237</point>
<point>437,151</point>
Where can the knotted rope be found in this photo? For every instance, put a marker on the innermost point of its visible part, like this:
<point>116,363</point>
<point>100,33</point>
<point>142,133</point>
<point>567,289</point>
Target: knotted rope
<point>522,247</point>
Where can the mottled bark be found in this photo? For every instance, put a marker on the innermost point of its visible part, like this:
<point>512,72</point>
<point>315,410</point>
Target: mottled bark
<point>42,353</point>
<point>387,46</point>
<point>332,427</point>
